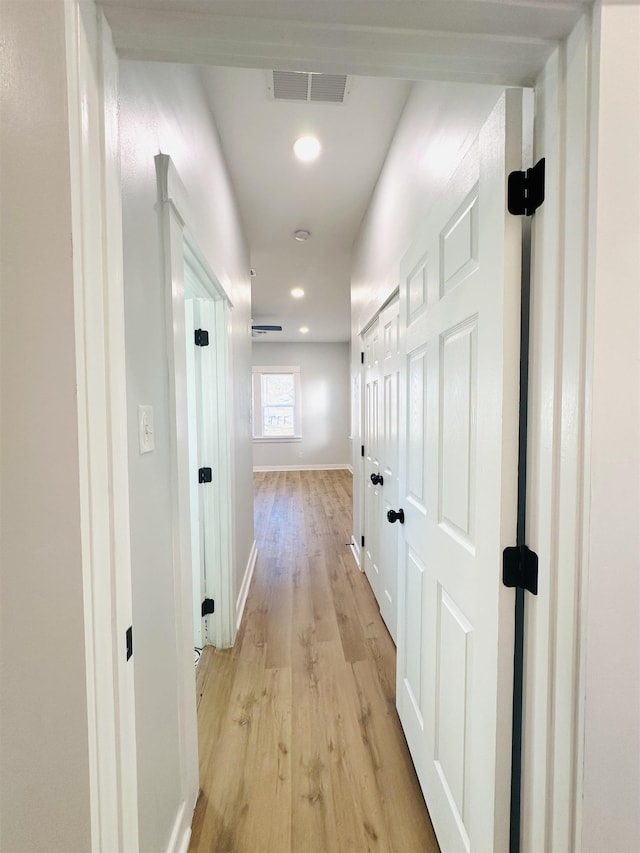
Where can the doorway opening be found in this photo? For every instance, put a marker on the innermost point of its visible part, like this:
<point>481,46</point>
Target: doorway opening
<point>209,441</point>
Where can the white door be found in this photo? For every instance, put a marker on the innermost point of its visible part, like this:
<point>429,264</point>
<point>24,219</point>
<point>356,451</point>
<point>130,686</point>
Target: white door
<point>195,429</point>
<point>207,499</point>
<point>211,494</point>
<point>372,496</point>
<point>389,395</point>
<point>460,299</point>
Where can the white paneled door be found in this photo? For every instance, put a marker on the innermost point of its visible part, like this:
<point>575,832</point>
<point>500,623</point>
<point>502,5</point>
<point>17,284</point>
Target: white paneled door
<point>381,469</point>
<point>390,363</point>
<point>373,496</point>
<point>459,318</point>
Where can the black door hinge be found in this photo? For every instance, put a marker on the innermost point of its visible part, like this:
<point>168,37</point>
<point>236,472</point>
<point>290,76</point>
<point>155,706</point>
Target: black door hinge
<point>361,358</point>
<point>202,337</point>
<point>363,541</point>
<point>204,475</point>
<point>129,640</point>
<point>520,568</point>
<point>207,606</point>
<point>362,449</point>
<point>525,190</point>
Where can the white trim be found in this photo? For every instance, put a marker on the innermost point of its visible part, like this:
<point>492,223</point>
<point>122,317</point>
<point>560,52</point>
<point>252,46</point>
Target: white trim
<point>181,832</point>
<point>355,550</point>
<point>332,467</point>
<point>92,67</point>
<point>246,583</point>
<point>277,439</point>
<point>172,235</point>
<point>349,469</point>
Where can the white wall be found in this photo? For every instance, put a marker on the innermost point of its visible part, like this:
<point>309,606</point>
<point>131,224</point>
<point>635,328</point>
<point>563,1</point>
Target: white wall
<point>324,380</point>
<point>44,762</point>
<point>611,785</point>
<point>164,109</point>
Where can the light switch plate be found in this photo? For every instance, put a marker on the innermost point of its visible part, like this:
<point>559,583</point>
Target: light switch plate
<point>145,429</point>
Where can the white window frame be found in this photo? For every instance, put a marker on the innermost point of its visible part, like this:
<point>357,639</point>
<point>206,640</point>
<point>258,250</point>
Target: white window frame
<point>256,411</point>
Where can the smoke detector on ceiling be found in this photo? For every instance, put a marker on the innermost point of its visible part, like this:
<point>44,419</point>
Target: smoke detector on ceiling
<point>309,87</point>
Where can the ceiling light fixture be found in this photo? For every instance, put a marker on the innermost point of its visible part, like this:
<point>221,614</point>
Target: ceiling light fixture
<point>297,293</point>
<point>304,329</point>
<point>301,235</point>
<point>306,148</point>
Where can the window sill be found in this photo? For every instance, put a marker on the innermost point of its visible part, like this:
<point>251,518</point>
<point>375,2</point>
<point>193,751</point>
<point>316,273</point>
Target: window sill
<point>277,439</point>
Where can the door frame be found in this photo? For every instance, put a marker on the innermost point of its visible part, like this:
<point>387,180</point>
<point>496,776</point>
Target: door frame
<point>220,630</point>
<point>179,249</point>
<point>92,80</point>
<point>96,202</point>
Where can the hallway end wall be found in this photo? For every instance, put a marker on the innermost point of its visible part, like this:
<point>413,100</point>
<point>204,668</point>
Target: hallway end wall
<point>163,109</point>
<point>324,380</point>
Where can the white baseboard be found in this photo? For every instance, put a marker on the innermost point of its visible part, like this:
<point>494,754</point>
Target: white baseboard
<point>181,832</point>
<point>246,582</point>
<point>332,467</point>
<point>186,840</point>
<point>355,550</point>
<point>350,469</point>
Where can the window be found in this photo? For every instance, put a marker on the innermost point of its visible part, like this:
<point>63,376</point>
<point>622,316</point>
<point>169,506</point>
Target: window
<point>276,403</point>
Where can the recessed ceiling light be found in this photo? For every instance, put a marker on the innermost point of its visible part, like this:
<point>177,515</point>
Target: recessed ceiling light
<point>306,148</point>
<point>304,329</point>
<point>301,235</point>
<point>297,293</point>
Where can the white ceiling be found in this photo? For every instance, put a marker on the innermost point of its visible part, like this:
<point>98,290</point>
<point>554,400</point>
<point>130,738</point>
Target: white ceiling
<point>380,44</point>
<point>278,194</point>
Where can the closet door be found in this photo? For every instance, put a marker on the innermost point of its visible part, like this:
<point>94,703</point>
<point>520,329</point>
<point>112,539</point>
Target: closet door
<point>460,303</point>
<point>372,497</point>
<point>389,462</point>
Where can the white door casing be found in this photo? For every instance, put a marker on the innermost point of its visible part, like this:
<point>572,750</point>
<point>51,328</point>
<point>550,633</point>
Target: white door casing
<point>459,306</point>
<point>95,186</point>
<point>181,255</point>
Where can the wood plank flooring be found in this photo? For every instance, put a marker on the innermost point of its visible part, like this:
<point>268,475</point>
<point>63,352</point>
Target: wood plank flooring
<point>301,748</point>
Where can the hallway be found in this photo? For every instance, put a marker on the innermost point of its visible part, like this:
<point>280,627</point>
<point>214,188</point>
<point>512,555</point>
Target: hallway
<point>299,741</point>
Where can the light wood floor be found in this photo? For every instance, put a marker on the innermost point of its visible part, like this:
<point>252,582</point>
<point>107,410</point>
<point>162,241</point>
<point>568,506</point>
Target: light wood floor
<point>301,748</point>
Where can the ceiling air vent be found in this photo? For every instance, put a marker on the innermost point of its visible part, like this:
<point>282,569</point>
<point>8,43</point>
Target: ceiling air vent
<point>317,88</point>
<point>327,87</point>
